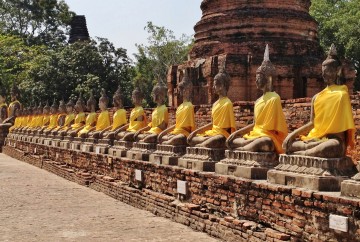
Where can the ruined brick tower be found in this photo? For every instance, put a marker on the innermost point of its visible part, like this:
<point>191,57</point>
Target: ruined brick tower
<point>237,31</point>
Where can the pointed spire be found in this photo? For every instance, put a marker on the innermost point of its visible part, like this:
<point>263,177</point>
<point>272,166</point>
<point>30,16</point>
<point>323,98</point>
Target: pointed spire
<point>267,54</point>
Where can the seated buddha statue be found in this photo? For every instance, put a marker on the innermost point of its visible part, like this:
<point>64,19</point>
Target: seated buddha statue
<point>331,128</point>
<point>3,106</point>
<point>23,120</point>
<point>159,117</point>
<point>269,129</point>
<point>18,121</point>
<point>90,121</point>
<point>43,119</point>
<point>119,118</point>
<point>185,118</point>
<point>32,112</point>
<point>79,121</point>
<point>52,119</point>
<point>60,119</point>
<point>69,119</point>
<point>214,134</point>
<point>37,119</point>
<point>137,119</point>
<point>15,104</point>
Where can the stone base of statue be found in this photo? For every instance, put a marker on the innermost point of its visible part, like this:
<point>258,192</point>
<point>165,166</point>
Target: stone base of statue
<point>167,154</point>
<point>47,141</point>
<point>35,139</point>
<point>351,188</point>
<point>88,145</point>
<point>66,142</point>
<point>57,140</point>
<point>245,164</point>
<point>141,151</point>
<point>201,159</point>
<point>120,148</point>
<point>102,146</point>
<point>76,143</point>
<point>319,174</point>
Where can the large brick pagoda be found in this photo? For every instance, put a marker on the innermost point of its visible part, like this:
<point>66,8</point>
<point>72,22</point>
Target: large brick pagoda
<point>237,31</point>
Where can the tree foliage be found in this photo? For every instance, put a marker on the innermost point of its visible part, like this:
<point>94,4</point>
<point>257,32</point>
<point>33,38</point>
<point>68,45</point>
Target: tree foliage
<point>154,59</point>
<point>339,23</point>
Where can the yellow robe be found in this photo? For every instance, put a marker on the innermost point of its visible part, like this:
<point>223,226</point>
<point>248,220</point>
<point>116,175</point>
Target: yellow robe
<point>269,120</point>
<point>12,104</point>
<point>134,115</point>
<point>103,121</point>
<point>68,120</point>
<point>45,120</point>
<point>39,121</point>
<point>119,119</point>
<point>17,123</point>
<point>90,121</point>
<point>58,126</point>
<point>222,115</point>
<point>53,121</point>
<point>185,118</point>
<point>158,116</point>
<point>79,121</point>
<point>333,114</point>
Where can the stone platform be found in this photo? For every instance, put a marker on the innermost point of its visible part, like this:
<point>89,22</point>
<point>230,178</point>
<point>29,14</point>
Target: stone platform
<point>141,151</point>
<point>201,159</point>
<point>167,154</point>
<point>319,174</point>
<point>102,146</point>
<point>250,165</point>
<point>120,148</point>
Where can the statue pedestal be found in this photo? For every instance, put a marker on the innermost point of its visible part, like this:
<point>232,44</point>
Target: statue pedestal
<point>76,144</point>
<point>167,154</point>
<point>351,188</point>
<point>120,148</point>
<point>88,145</point>
<point>201,159</point>
<point>141,151</point>
<point>103,145</point>
<point>66,142</point>
<point>319,174</point>
<point>245,164</point>
<point>56,141</point>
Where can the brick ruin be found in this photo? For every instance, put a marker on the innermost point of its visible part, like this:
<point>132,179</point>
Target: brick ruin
<point>236,32</point>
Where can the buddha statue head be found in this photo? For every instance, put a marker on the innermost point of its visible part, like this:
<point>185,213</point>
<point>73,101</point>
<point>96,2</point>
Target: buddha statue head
<point>54,107</point>
<point>40,109</point>
<point>15,92</point>
<point>331,67</point>
<point>137,97</point>
<point>159,93</point>
<point>117,98</point>
<point>222,82</point>
<point>266,73</point>
<point>186,86</point>
<point>103,100</point>
<point>46,109</point>
<point>62,107</point>
<point>70,106</point>
<point>91,103</point>
<point>80,104</point>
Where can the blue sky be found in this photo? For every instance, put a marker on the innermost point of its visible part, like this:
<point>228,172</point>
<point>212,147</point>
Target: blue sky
<point>123,21</point>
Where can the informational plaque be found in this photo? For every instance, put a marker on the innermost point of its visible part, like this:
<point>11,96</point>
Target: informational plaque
<point>182,187</point>
<point>340,223</point>
<point>138,175</point>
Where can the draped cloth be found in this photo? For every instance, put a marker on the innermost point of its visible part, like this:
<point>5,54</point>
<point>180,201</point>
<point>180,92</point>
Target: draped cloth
<point>89,123</point>
<point>222,115</point>
<point>158,116</point>
<point>79,121</point>
<point>185,119</point>
<point>333,114</point>
<point>119,119</point>
<point>45,120</point>
<point>269,120</point>
<point>53,121</point>
<point>135,125</point>
<point>17,124</point>
<point>103,121</point>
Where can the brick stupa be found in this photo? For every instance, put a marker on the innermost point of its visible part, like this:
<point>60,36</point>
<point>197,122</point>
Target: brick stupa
<point>79,30</point>
<point>237,31</point>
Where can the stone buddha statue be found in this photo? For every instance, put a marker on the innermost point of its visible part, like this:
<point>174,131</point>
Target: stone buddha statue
<point>3,106</point>
<point>119,118</point>
<point>18,121</point>
<point>331,128</point>
<point>68,120</point>
<point>52,119</point>
<point>159,117</point>
<point>185,118</point>
<point>269,129</point>
<point>137,119</point>
<point>32,111</point>
<point>214,134</point>
<point>79,121</point>
<point>23,120</point>
<point>46,115</point>
<point>15,104</point>
<point>90,121</point>
<point>60,119</point>
<point>37,119</point>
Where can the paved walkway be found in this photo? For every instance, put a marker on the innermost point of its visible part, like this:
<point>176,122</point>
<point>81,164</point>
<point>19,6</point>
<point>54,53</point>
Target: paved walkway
<point>39,206</point>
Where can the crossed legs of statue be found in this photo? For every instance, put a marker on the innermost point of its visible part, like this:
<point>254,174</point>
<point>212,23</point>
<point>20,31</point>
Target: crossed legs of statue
<point>263,144</point>
<point>331,148</point>
<point>175,140</point>
<point>147,138</point>
<point>217,141</point>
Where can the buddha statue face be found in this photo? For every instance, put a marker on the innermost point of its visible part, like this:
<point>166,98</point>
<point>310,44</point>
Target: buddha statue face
<point>79,107</point>
<point>219,87</point>
<point>330,73</point>
<point>136,98</point>
<point>102,105</point>
<point>117,102</point>
<point>69,108</point>
<point>53,109</point>
<point>158,97</point>
<point>62,108</point>
<point>46,110</point>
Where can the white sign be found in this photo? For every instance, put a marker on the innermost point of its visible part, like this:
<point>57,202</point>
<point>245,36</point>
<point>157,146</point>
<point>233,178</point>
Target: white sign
<point>340,223</point>
<point>182,187</point>
<point>138,175</point>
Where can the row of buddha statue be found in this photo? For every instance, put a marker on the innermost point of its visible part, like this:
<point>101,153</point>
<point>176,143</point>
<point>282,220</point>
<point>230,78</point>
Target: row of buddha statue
<point>328,134</point>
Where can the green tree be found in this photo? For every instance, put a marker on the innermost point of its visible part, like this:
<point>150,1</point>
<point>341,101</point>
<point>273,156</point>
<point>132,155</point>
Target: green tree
<point>154,59</point>
<point>339,24</point>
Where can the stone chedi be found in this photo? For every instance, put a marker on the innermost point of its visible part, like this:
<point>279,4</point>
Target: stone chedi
<point>254,148</point>
<point>316,153</point>
<point>237,31</point>
<point>78,31</point>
